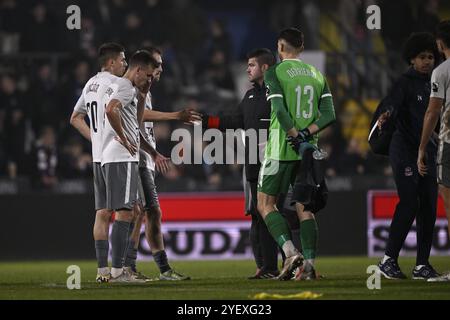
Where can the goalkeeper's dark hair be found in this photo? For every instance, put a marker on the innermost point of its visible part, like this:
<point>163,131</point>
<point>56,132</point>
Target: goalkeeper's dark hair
<point>143,58</point>
<point>417,43</point>
<point>443,32</point>
<point>262,56</point>
<point>108,51</point>
<point>292,36</point>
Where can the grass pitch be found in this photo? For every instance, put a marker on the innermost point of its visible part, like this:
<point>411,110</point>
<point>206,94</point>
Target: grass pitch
<point>345,278</point>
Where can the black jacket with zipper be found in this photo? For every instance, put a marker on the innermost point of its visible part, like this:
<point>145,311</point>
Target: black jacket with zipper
<point>409,97</point>
<point>253,112</point>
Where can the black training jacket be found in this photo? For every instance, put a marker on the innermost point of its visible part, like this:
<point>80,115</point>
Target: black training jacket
<point>253,112</point>
<point>410,96</point>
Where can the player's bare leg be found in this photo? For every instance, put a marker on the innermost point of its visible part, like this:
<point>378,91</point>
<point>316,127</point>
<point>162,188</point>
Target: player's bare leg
<point>153,229</point>
<point>279,230</point>
<point>445,194</point>
<point>308,235</point>
<point>101,235</point>
<point>155,240</point>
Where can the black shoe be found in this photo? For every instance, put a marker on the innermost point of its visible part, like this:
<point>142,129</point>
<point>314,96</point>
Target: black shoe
<point>390,270</point>
<point>265,275</point>
<point>424,273</point>
<point>269,274</point>
<point>256,275</point>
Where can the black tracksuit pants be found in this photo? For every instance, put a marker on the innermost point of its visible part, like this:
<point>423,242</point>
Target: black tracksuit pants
<point>418,200</point>
<point>265,248</point>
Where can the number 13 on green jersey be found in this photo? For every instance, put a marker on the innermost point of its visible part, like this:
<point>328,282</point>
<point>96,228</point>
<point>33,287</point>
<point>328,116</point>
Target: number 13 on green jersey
<point>302,87</point>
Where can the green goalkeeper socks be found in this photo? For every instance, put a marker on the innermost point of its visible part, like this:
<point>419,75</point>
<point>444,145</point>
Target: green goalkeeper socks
<point>308,236</point>
<point>278,227</point>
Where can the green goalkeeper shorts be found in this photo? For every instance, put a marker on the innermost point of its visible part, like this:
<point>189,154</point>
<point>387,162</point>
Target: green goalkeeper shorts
<point>275,177</point>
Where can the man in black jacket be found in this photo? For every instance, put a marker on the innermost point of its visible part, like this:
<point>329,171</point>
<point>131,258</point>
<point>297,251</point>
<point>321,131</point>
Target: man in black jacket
<point>253,113</point>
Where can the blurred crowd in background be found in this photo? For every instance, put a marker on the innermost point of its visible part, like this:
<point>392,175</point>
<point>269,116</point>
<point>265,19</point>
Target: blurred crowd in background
<point>44,66</point>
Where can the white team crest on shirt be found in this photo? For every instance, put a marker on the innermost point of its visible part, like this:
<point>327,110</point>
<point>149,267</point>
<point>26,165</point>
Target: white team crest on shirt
<point>419,97</point>
<point>408,172</point>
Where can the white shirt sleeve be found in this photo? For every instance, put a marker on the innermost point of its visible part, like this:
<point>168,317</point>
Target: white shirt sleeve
<point>123,92</point>
<point>80,106</point>
<point>438,83</point>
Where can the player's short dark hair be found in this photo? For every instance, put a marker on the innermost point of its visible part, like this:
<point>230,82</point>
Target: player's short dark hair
<point>443,32</point>
<point>263,56</point>
<point>109,51</point>
<point>143,58</point>
<point>292,36</point>
<point>153,50</point>
<point>417,43</point>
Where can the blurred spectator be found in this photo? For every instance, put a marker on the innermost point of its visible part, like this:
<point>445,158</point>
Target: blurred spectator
<point>70,91</point>
<point>427,16</point>
<point>397,21</point>
<point>133,33</point>
<point>219,40</point>
<point>353,160</point>
<point>45,109</point>
<point>16,125</point>
<point>10,17</point>
<point>358,42</point>
<point>74,162</point>
<point>218,73</point>
<point>89,37</point>
<point>39,34</point>
<point>45,159</point>
<point>282,14</point>
<point>154,15</point>
<point>186,34</point>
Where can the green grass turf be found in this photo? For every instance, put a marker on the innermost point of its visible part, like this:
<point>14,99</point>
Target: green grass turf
<point>345,278</point>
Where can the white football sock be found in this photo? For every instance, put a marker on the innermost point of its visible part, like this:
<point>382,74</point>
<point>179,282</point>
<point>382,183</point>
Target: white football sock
<point>103,271</point>
<point>309,264</point>
<point>115,272</point>
<point>289,249</point>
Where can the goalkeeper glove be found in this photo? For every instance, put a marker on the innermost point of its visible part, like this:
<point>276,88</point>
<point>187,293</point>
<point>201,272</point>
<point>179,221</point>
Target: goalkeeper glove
<point>301,138</point>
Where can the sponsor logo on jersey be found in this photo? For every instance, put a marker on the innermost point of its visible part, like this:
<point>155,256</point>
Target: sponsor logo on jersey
<point>435,86</point>
<point>109,91</point>
<point>93,87</point>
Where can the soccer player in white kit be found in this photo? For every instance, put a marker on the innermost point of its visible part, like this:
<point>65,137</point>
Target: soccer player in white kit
<point>439,105</point>
<point>147,166</point>
<point>125,102</point>
<point>111,58</point>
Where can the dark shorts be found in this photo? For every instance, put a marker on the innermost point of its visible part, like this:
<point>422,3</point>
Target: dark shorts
<point>99,186</point>
<point>147,189</point>
<point>121,185</point>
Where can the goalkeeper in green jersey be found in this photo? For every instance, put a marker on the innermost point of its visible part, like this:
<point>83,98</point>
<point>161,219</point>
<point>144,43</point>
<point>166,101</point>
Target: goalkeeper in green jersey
<point>302,106</point>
